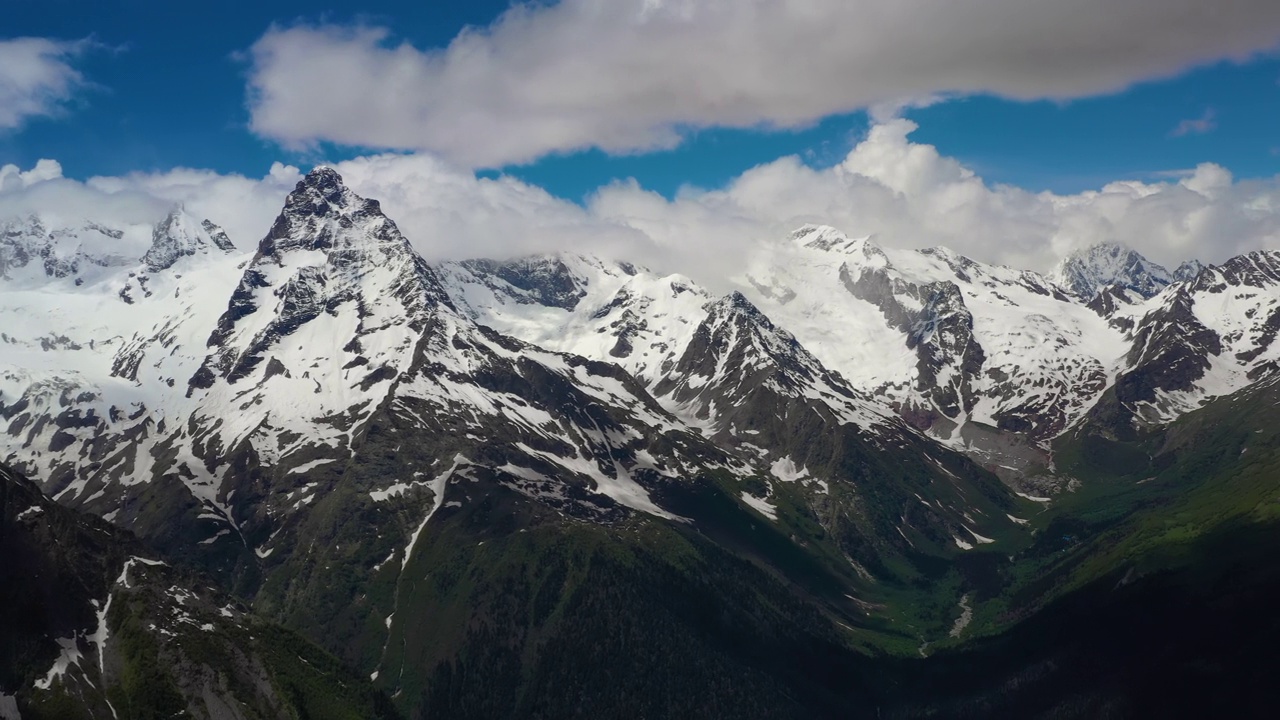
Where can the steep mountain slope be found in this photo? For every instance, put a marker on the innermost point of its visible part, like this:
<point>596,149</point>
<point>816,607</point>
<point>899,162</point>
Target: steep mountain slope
<point>1201,338</point>
<point>91,627</point>
<point>337,327</point>
<point>558,485</point>
<point>752,388</point>
<point>945,340</point>
<point>89,371</point>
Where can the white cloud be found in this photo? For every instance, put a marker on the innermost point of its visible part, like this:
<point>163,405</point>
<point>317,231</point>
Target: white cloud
<point>904,193</point>
<point>908,195</point>
<point>245,207</point>
<point>1207,122</point>
<point>449,213</point>
<point>36,78</point>
<point>13,177</point>
<point>628,75</point>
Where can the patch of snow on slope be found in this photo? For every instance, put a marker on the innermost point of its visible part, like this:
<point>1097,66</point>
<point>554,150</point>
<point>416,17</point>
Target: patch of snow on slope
<point>437,486</point>
<point>763,506</point>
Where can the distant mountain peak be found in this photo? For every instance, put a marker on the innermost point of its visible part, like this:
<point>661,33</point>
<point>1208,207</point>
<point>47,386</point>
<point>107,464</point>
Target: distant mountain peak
<point>545,279</point>
<point>734,301</point>
<point>1188,270</point>
<point>1086,272</point>
<point>825,237</point>
<point>36,249</point>
<point>179,235</point>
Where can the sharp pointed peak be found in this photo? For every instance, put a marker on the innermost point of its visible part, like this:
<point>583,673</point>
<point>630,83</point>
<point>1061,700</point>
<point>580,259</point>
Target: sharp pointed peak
<point>177,215</point>
<point>321,191</point>
<point>322,175</point>
<point>732,304</point>
<point>179,235</point>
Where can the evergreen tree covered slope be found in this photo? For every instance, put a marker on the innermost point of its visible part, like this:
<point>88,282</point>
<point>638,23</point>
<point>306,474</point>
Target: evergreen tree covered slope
<point>93,626</point>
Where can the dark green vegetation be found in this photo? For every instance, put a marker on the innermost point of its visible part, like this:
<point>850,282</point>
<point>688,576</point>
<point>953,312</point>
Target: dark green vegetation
<point>146,640</point>
<point>1148,591</point>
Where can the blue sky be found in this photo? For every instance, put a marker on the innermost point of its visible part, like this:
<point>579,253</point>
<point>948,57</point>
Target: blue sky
<point>167,88</point>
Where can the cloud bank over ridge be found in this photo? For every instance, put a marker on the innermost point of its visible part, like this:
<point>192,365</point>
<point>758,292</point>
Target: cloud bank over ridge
<point>904,193</point>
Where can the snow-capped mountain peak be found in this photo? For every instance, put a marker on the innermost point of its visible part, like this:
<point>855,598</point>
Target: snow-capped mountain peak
<point>1088,271</point>
<point>179,235</point>
<point>1188,271</point>
<point>330,254</point>
<point>323,214</point>
<point>37,249</point>
<point>831,240</point>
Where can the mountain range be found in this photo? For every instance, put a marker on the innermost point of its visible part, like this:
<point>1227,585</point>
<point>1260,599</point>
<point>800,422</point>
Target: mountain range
<point>562,485</point>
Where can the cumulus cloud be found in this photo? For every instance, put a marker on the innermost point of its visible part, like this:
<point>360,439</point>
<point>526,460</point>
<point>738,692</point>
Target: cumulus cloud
<point>904,194</point>
<point>36,78</point>
<point>245,207</point>
<point>449,213</point>
<point>630,75</point>
<point>13,177</point>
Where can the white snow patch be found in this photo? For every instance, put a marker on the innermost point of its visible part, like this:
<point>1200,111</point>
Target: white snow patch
<point>764,507</point>
<point>220,533</point>
<point>311,465</point>
<point>981,540</point>
<point>70,655</point>
<point>1033,498</point>
<point>380,565</point>
<point>785,470</point>
<point>437,485</point>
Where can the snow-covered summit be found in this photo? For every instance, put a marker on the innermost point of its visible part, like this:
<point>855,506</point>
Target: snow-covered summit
<point>828,239</point>
<point>941,338</point>
<point>35,250</point>
<point>179,235</point>
<point>584,305</point>
<point>1188,270</point>
<point>331,257</point>
<point>1089,271</point>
